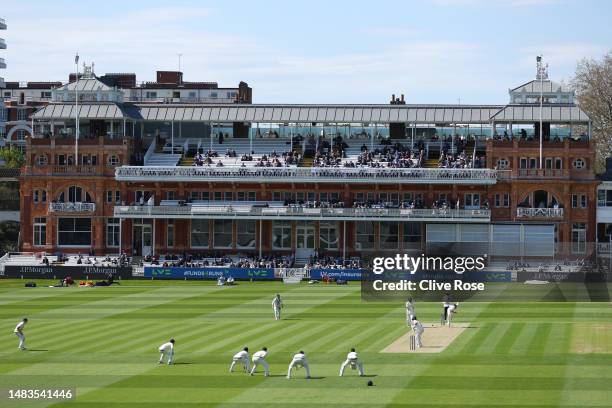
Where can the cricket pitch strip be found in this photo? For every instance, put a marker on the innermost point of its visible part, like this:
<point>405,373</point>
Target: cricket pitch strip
<point>435,339</point>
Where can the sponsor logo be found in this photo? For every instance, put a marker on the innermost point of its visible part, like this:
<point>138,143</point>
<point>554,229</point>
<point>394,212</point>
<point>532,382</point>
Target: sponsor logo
<point>35,269</point>
<point>261,273</point>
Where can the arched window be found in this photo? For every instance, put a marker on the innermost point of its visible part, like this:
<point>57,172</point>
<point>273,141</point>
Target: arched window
<point>539,199</point>
<point>76,194</point>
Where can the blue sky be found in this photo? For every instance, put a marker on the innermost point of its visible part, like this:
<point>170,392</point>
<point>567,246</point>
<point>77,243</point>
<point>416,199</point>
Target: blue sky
<point>433,51</point>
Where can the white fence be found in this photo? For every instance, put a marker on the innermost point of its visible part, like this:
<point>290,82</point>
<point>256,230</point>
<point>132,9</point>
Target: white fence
<point>539,212</point>
<point>72,207</point>
<point>305,174</point>
<point>348,214</point>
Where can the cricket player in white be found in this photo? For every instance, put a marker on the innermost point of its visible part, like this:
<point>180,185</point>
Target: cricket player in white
<point>277,305</point>
<point>19,333</point>
<point>259,358</point>
<point>446,302</point>
<point>241,357</point>
<point>299,360</point>
<point>166,350</point>
<point>418,329</point>
<point>409,311</point>
<point>450,311</point>
<point>354,361</point>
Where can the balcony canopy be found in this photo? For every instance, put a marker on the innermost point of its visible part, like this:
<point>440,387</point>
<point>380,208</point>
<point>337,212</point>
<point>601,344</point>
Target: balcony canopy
<point>321,113</point>
<point>340,114</point>
<point>531,114</point>
<point>66,111</point>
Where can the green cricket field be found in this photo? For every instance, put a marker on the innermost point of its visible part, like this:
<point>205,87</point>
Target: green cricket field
<point>103,342</point>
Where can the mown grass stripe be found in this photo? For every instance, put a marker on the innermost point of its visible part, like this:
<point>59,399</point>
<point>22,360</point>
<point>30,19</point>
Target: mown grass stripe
<point>539,342</point>
<point>509,339</point>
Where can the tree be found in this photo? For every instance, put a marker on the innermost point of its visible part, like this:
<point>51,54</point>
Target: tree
<point>12,157</point>
<point>593,86</point>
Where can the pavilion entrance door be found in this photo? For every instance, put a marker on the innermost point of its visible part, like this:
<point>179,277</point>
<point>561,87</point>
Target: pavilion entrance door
<point>142,234</point>
<point>305,240</point>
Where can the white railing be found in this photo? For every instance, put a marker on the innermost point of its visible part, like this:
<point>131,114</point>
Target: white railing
<point>156,99</point>
<point>539,212</point>
<point>3,260</point>
<point>246,211</point>
<point>150,151</point>
<point>307,174</point>
<point>72,207</point>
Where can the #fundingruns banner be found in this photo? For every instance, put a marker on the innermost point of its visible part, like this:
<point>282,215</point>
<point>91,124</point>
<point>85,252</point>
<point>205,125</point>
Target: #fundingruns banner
<point>208,273</point>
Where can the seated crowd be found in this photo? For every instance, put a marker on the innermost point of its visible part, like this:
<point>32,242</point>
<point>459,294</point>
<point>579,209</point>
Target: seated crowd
<point>396,156</point>
<point>314,204</point>
<point>329,262</point>
<point>62,259</point>
<point>212,260</point>
<point>461,161</point>
<point>273,159</point>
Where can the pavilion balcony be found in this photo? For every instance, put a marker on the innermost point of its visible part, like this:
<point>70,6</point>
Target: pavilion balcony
<point>555,174</point>
<point>2,24</point>
<point>539,213</point>
<point>2,44</point>
<point>72,207</point>
<point>2,63</point>
<point>84,140</point>
<point>245,211</point>
<point>308,175</point>
<point>57,170</point>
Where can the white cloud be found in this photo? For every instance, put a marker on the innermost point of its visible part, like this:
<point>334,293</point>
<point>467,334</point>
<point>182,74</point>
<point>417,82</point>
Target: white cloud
<point>139,41</point>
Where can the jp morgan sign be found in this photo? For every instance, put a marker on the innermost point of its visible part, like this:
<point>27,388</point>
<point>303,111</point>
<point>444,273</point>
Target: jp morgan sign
<point>60,272</point>
<point>30,269</point>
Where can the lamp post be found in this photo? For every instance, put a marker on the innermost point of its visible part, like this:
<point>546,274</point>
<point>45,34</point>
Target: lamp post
<point>76,108</point>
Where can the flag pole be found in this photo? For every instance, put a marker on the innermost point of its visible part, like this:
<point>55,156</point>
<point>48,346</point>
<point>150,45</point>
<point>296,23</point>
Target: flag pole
<point>76,107</point>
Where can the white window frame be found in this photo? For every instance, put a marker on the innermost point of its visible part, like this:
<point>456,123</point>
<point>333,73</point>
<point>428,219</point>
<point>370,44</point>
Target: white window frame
<point>579,163</point>
<point>113,227</point>
<point>113,160</point>
<point>39,237</point>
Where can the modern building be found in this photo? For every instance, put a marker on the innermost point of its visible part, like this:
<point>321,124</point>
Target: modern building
<point>150,177</point>
<point>22,99</point>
